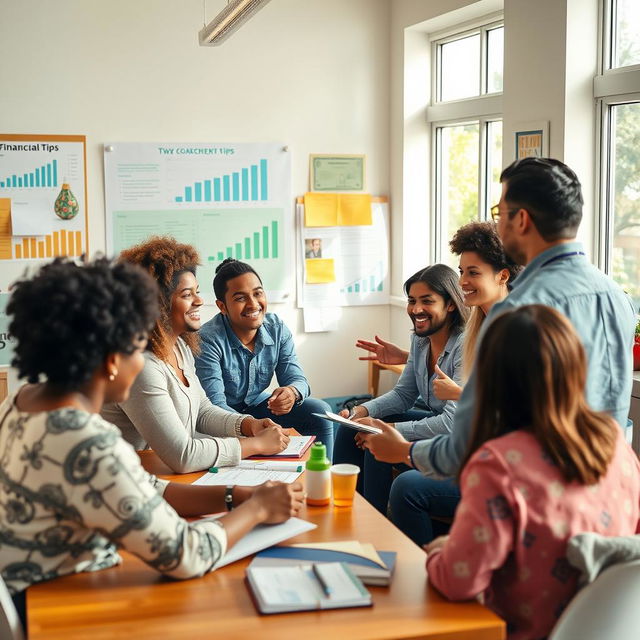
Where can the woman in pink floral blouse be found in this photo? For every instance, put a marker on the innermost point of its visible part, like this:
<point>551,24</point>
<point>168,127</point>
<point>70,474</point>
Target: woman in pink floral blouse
<point>541,467</point>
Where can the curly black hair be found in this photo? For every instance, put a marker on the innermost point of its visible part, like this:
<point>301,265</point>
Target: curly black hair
<point>482,238</point>
<point>68,318</point>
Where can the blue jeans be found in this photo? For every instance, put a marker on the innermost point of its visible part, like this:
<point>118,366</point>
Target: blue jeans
<point>300,418</point>
<point>415,498</point>
<point>375,478</point>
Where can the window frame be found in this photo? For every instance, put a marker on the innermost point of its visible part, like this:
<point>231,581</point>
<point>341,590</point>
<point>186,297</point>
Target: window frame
<point>613,86</point>
<point>482,109</point>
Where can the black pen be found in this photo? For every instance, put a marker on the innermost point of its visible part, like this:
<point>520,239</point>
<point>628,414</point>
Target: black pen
<point>326,589</point>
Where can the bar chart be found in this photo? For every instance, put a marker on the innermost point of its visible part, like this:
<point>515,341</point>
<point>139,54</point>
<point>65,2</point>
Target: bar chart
<point>260,245</point>
<point>368,284</point>
<point>59,243</point>
<point>44,176</point>
<point>248,184</point>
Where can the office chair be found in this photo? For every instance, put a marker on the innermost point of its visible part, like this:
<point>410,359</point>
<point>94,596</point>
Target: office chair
<point>606,608</point>
<point>10,627</point>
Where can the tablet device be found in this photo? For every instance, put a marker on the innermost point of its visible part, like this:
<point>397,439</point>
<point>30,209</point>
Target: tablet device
<point>334,417</point>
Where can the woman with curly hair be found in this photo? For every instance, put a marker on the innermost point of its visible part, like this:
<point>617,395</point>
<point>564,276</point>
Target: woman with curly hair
<point>485,275</point>
<point>73,490</point>
<point>167,409</point>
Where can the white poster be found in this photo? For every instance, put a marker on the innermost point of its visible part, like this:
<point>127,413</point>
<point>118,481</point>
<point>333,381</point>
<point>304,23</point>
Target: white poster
<point>345,265</point>
<point>228,200</point>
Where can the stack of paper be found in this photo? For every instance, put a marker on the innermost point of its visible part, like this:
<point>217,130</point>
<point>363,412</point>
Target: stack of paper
<point>371,566</point>
<point>306,587</point>
<point>251,473</point>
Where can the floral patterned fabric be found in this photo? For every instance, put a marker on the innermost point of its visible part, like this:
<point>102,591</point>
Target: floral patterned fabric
<point>72,491</point>
<point>510,533</point>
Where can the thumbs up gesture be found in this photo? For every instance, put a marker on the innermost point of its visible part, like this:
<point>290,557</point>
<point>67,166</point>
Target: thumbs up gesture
<point>444,388</point>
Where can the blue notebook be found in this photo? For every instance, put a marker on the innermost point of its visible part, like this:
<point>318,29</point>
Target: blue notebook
<point>371,572</point>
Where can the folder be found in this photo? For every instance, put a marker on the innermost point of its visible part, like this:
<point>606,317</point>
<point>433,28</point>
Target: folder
<point>372,567</point>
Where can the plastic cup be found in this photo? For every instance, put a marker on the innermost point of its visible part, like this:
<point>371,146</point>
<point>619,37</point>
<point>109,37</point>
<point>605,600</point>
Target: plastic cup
<point>343,483</point>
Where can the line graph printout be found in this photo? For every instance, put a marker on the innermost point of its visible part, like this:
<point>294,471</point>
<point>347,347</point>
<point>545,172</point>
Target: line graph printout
<point>228,200</point>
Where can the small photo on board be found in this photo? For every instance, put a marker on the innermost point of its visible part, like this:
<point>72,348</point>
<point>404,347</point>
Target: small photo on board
<point>313,248</point>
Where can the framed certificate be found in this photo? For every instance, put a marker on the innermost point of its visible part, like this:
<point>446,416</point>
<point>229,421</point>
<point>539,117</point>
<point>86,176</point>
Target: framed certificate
<point>336,172</point>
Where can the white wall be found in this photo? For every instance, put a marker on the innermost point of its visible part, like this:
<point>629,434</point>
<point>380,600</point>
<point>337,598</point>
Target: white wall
<point>313,75</point>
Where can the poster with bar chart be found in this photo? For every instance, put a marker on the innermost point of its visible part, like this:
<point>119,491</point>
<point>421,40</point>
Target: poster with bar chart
<point>33,169</point>
<point>360,257</point>
<point>228,200</point>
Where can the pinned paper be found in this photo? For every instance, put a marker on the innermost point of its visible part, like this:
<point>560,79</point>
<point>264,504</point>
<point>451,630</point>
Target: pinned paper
<point>320,270</point>
<point>33,217</point>
<point>318,319</point>
<point>337,209</point>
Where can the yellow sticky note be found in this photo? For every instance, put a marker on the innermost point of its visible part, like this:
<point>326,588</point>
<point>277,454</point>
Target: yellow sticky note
<point>320,209</point>
<point>320,270</point>
<point>355,209</point>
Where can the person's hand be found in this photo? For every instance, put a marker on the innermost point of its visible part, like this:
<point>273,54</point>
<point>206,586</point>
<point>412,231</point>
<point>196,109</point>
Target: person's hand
<point>435,545</point>
<point>281,400</point>
<point>444,388</point>
<point>356,412</point>
<point>388,446</point>
<point>382,351</point>
<point>360,435</point>
<point>277,501</point>
<point>271,440</point>
<point>251,426</point>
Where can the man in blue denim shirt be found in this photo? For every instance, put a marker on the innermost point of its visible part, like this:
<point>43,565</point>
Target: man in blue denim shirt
<point>242,348</point>
<point>538,218</point>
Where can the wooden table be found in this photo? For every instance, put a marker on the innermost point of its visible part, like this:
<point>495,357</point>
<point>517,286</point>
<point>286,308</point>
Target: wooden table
<point>133,601</point>
<point>375,367</point>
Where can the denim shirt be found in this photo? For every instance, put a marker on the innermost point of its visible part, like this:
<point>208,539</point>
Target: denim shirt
<point>235,377</point>
<point>415,381</point>
<point>604,318</point>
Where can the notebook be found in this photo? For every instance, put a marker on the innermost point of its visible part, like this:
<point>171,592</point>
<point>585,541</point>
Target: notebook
<point>373,567</point>
<point>306,587</point>
<point>295,449</point>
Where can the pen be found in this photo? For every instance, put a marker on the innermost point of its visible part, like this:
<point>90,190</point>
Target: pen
<point>326,589</point>
<point>265,466</point>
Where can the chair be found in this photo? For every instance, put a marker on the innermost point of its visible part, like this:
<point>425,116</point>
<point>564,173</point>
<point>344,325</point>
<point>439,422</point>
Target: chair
<point>607,608</point>
<point>10,627</point>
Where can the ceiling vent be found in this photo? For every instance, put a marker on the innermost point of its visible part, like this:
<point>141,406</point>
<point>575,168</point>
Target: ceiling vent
<point>235,14</point>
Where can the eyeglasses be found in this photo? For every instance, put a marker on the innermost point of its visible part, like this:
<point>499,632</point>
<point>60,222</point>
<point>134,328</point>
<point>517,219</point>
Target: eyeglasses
<point>496,213</point>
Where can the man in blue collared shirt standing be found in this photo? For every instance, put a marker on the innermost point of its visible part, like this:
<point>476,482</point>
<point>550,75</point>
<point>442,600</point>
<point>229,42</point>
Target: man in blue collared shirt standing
<point>244,346</point>
<point>538,217</point>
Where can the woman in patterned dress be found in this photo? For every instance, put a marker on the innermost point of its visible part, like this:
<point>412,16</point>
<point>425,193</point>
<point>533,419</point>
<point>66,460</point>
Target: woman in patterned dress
<point>541,467</point>
<point>71,489</point>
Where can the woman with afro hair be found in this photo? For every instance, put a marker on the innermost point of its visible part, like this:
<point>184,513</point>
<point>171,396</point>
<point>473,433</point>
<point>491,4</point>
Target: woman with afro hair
<point>73,490</point>
<point>167,409</point>
<point>485,275</point>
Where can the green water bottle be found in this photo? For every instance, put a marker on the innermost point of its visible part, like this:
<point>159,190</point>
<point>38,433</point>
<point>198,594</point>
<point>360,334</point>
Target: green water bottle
<point>318,476</point>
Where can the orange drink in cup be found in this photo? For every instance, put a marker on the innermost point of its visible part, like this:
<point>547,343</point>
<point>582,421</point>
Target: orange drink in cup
<point>343,483</point>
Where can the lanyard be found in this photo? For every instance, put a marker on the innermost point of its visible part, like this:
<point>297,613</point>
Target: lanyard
<point>561,256</point>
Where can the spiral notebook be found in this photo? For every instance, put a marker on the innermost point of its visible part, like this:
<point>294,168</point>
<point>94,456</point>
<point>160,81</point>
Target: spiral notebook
<point>306,587</point>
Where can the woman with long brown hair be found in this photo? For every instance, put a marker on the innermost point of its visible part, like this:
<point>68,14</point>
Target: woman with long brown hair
<point>541,467</point>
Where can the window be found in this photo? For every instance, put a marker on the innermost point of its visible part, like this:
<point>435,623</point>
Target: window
<point>466,130</point>
<point>617,91</point>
